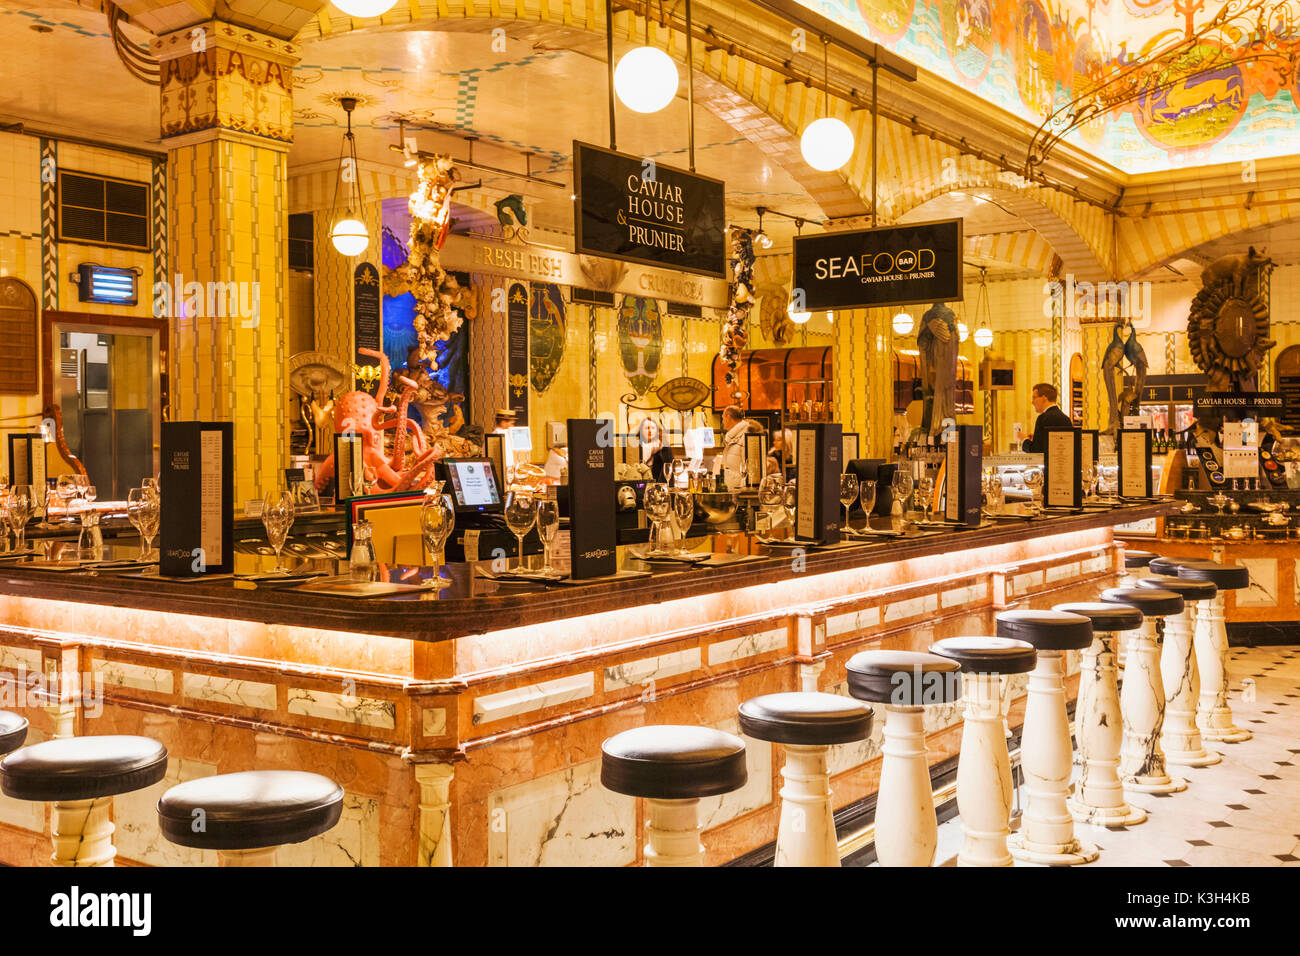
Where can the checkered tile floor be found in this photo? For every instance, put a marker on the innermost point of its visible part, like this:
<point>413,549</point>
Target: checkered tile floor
<point>1244,811</point>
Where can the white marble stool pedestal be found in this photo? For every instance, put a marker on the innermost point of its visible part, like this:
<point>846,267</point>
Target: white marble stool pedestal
<point>673,766</point>
<point>80,776</point>
<point>806,724</point>
<point>1135,566</point>
<point>983,767</point>
<point>1098,796</point>
<point>1180,738</point>
<point>1210,640</point>
<point>907,831</point>
<point>1142,699</point>
<point>1046,832</point>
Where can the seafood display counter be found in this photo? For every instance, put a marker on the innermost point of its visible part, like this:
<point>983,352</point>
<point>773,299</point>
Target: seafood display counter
<point>463,716</point>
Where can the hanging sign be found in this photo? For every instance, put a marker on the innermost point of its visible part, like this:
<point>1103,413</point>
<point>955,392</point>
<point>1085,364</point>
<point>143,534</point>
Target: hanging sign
<point>896,265</point>
<point>639,210</point>
<point>365,311</point>
<point>517,349</point>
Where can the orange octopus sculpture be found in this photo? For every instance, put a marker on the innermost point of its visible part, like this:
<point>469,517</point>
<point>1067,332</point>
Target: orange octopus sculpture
<point>362,413</point>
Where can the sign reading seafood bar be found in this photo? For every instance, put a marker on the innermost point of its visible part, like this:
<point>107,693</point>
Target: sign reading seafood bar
<point>636,209</point>
<point>896,265</point>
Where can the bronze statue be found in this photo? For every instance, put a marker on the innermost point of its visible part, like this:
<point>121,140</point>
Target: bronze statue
<point>937,341</point>
<point>1123,345</point>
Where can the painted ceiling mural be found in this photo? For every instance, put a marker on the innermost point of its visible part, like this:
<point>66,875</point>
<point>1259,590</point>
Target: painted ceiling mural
<point>1030,58</point>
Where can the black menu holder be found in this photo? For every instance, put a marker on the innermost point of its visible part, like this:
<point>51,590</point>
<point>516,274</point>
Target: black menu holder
<point>27,459</point>
<point>962,475</point>
<point>817,493</point>
<point>349,466</point>
<point>197,525</point>
<point>592,537</point>
<point>1133,452</point>
<point>1063,469</point>
<point>755,458</point>
<point>494,448</point>
<point>1090,446</point>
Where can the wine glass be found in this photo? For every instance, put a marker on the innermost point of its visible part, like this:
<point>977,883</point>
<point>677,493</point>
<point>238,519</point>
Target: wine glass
<point>521,512</point>
<point>437,521</point>
<point>848,494</point>
<point>18,508</point>
<point>659,506</point>
<point>1034,482</point>
<point>902,486</point>
<point>683,514</point>
<point>65,489</point>
<point>867,495</point>
<point>1089,478</point>
<point>82,484</point>
<point>142,508</point>
<point>277,518</point>
<point>925,491</point>
<point>548,526</point>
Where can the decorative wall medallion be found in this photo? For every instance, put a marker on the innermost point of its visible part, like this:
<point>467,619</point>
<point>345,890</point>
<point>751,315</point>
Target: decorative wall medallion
<point>640,340</point>
<point>1228,325</point>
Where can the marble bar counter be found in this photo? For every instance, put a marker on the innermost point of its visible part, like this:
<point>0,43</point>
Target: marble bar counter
<point>465,722</point>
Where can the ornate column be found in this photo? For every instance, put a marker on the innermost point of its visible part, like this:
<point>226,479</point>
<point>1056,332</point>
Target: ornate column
<point>227,122</point>
<point>435,813</point>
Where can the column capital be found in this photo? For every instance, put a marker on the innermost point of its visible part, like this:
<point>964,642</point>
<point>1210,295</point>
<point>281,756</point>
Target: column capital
<point>217,77</point>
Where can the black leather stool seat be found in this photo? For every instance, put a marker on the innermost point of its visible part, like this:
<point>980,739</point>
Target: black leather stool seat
<point>13,731</point>
<point>1046,630</point>
<point>988,655</point>
<point>1107,618</point>
<point>904,678</point>
<point>805,718</point>
<point>1186,588</point>
<point>673,762</point>
<point>1165,565</point>
<point>1226,577</point>
<point>81,768</point>
<point>1150,601</point>
<point>1138,559</point>
<point>249,810</point>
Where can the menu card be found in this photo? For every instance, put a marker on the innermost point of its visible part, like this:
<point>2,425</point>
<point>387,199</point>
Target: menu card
<point>849,440</point>
<point>817,491</point>
<point>1062,479</point>
<point>591,499</point>
<point>962,474</point>
<point>1091,449</point>
<point>198,499</point>
<point>27,459</point>
<point>1134,457</point>
<point>349,466</point>
<point>755,457</point>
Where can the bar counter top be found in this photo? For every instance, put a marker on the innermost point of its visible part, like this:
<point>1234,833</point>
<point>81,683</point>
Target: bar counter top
<point>471,604</point>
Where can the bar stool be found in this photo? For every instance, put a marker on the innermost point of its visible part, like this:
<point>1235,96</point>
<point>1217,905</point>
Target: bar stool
<point>13,731</point>
<point>1047,829</point>
<point>907,831</point>
<point>983,768</point>
<point>673,766</point>
<point>1142,699</point>
<point>806,724</point>
<point>80,776</point>
<point>1098,795</point>
<point>1180,738</point>
<point>246,816</point>
<point>1213,715</point>
<point>1135,563</point>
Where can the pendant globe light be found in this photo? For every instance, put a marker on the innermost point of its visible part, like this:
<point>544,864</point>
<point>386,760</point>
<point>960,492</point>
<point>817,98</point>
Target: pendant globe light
<point>827,143</point>
<point>645,79</point>
<point>348,233</point>
<point>365,8</point>
<point>983,327</point>
<point>903,324</point>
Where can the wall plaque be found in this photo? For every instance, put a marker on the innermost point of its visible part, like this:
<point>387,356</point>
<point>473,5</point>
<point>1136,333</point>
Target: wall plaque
<point>365,312</point>
<point>517,349</point>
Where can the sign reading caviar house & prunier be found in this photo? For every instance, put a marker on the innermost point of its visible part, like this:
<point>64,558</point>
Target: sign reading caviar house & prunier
<point>636,209</point>
<point>896,265</point>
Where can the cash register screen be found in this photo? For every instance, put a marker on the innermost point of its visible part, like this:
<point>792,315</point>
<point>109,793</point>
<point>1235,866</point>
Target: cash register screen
<point>473,484</point>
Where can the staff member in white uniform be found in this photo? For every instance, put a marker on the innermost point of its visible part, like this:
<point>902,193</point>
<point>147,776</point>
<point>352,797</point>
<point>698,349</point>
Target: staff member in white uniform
<point>730,462</point>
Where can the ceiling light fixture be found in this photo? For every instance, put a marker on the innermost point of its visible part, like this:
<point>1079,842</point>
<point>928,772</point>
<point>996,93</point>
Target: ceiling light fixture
<point>646,78</point>
<point>761,237</point>
<point>365,8</point>
<point>348,234</point>
<point>903,324</point>
<point>827,143</point>
<point>983,325</point>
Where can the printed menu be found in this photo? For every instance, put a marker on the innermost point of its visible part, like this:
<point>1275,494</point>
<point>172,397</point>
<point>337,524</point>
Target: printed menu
<point>198,499</point>
<point>1062,487</point>
<point>817,492</point>
<point>591,499</point>
<point>962,473</point>
<point>27,460</point>
<point>1134,457</point>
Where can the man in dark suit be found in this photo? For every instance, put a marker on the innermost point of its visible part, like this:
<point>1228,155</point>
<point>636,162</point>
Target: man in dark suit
<point>1049,416</point>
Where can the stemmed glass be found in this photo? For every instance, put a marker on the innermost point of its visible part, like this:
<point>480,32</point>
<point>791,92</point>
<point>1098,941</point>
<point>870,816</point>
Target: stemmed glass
<point>1089,479</point>
<point>683,514</point>
<point>521,512</point>
<point>548,526</point>
<point>771,500</point>
<point>867,495</point>
<point>18,508</point>
<point>925,491</point>
<point>1034,482</point>
<point>848,494</point>
<point>277,517</point>
<point>142,508</point>
<point>437,521</point>
<point>65,489</point>
<point>902,486</point>
<point>659,506</point>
